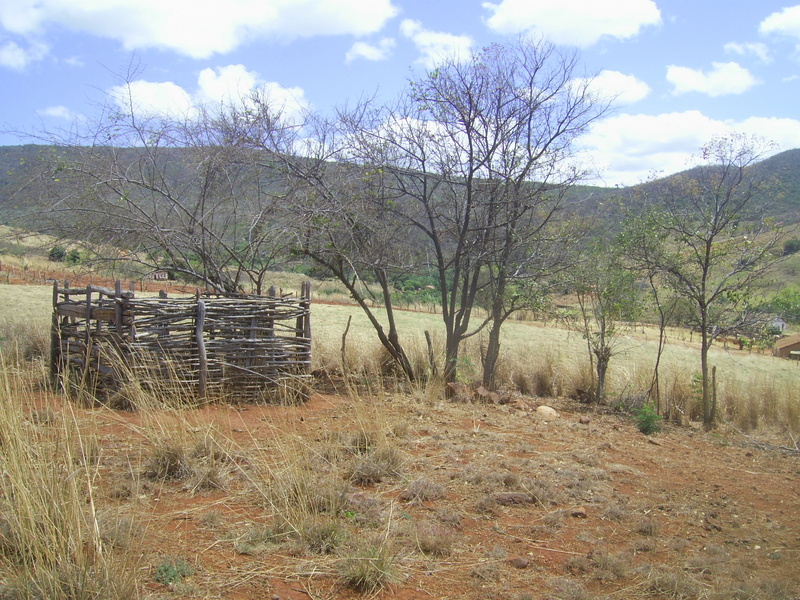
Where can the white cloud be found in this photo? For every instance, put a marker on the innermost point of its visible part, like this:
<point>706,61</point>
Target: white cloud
<point>576,22</point>
<point>233,84</point>
<point>629,149</point>
<point>13,56</point>
<point>435,46</point>
<point>59,112</point>
<point>147,98</point>
<point>760,51</point>
<point>723,79</point>
<point>785,22</point>
<point>224,86</point>
<point>197,29</point>
<point>618,88</point>
<point>373,52</point>
<point>20,16</point>
<point>784,132</point>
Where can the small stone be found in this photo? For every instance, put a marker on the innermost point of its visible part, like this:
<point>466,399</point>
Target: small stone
<point>584,420</point>
<point>518,562</point>
<point>546,412</point>
<point>579,513</point>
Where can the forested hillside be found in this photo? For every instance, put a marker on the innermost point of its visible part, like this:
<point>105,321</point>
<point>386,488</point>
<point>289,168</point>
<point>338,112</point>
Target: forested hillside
<point>19,196</point>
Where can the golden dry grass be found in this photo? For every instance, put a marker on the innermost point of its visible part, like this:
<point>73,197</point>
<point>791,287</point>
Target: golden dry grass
<point>754,389</point>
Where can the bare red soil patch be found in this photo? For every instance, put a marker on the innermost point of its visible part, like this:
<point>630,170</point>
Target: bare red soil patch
<point>489,502</point>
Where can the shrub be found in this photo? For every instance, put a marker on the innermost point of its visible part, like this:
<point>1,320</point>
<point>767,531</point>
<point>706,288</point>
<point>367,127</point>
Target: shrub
<point>171,571</point>
<point>791,246</point>
<point>73,257</point>
<point>57,254</point>
<point>648,421</point>
<point>369,569</point>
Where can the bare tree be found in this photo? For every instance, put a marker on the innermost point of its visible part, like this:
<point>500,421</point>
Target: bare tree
<point>339,210</point>
<point>476,157</point>
<point>719,243</point>
<point>170,193</point>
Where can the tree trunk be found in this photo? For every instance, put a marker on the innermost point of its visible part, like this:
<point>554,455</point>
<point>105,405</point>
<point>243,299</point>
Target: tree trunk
<point>493,346</point>
<point>490,360</point>
<point>451,360</point>
<point>603,355</point>
<point>708,407</point>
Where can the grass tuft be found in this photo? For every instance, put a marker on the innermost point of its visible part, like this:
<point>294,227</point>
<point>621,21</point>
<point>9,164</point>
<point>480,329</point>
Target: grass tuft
<point>371,567</point>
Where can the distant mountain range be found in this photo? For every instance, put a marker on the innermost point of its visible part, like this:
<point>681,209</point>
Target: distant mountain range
<point>18,164</point>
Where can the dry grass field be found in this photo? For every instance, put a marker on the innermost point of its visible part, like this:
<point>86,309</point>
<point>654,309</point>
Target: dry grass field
<point>372,489</point>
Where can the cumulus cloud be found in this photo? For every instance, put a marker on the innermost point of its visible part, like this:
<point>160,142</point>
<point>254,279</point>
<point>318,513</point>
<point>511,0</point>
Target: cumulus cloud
<point>147,98</point>
<point>233,84</point>
<point>760,51</point>
<point>617,88</point>
<point>577,22</point>
<point>435,46</point>
<point>197,29</point>
<point>373,52</point>
<point>224,86</point>
<point>13,56</point>
<point>59,112</point>
<point>784,132</point>
<point>784,22</point>
<point>723,79</point>
<point>629,149</point>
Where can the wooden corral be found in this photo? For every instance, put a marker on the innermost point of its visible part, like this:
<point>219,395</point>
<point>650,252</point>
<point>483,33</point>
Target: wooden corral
<point>211,345</point>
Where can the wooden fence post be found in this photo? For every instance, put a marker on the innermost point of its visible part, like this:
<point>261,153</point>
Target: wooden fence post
<point>55,340</point>
<point>201,349</point>
<point>305,293</point>
<point>118,307</point>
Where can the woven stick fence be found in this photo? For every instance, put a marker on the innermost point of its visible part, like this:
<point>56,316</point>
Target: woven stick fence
<point>233,346</point>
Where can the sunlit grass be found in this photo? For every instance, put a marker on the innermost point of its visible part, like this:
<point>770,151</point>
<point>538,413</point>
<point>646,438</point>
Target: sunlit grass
<point>753,388</point>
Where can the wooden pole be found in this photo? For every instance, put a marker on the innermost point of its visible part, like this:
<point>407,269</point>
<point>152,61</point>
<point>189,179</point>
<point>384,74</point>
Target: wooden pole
<point>118,307</point>
<point>55,340</point>
<point>201,349</point>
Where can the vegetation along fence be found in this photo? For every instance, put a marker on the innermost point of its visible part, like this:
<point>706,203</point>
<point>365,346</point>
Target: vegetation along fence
<point>210,345</point>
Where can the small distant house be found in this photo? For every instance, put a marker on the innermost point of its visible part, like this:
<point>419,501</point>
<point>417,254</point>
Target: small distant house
<point>778,324</point>
<point>788,347</point>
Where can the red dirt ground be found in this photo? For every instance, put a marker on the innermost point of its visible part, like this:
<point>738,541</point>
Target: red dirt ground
<point>580,507</point>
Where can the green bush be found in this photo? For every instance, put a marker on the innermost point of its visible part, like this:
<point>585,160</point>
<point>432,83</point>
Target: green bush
<point>73,257</point>
<point>172,571</point>
<point>648,421</point>
<point>791,246</point>
<point>57,254</point>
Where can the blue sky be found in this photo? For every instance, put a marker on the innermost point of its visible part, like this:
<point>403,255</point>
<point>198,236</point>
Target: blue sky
<point>682,71</point>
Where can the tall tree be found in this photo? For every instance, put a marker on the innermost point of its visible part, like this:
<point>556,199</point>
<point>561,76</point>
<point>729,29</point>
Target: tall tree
<point>476,157</point>
<point>640,243</point>
<point>719,243</point>
<point>608,300</point>
<point>339,209</point>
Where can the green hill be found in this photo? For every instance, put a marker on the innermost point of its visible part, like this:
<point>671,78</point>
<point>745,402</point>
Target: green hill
<point>20,164</point>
